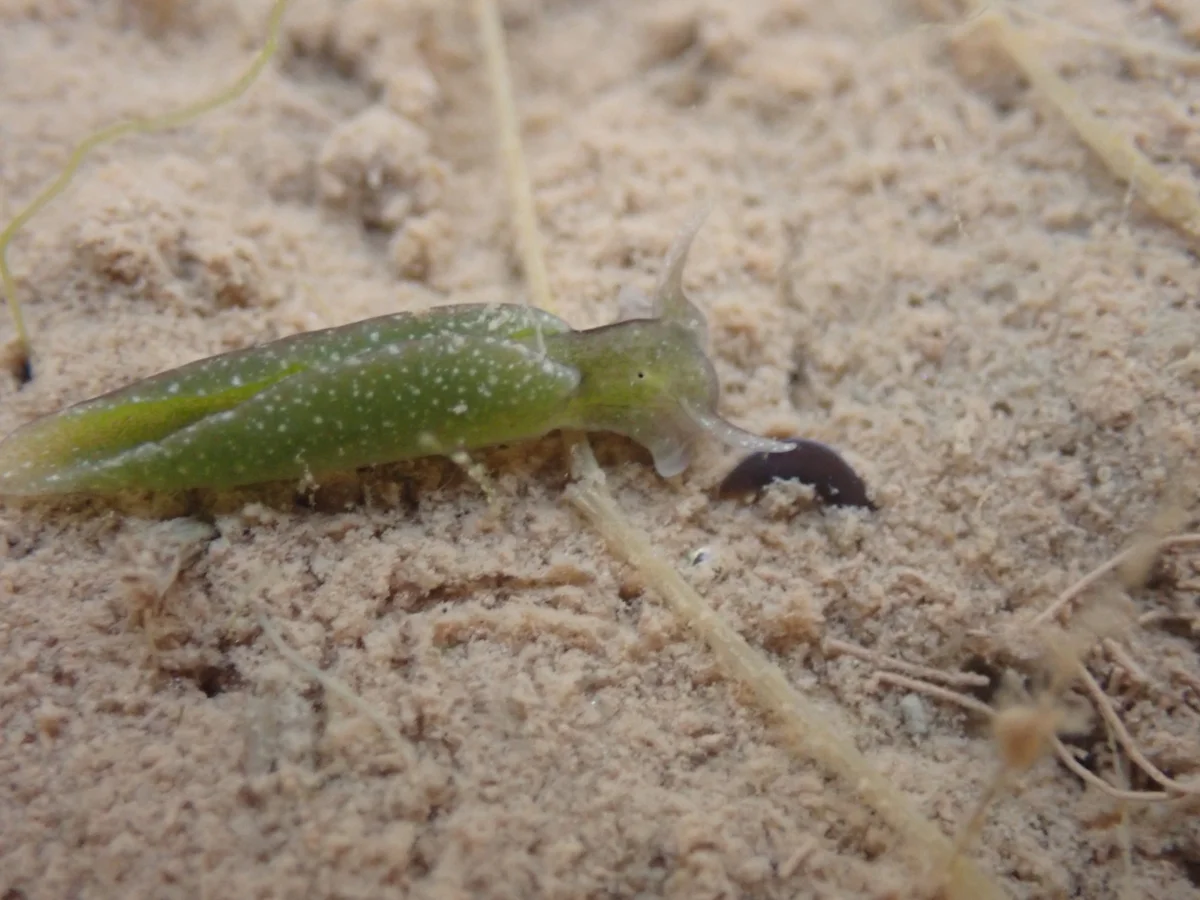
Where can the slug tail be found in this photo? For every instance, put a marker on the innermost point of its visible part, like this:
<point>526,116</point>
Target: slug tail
<point>53,454</point>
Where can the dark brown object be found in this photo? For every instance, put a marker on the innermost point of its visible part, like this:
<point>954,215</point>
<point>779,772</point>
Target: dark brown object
<point>808,462</point>
<point>16,360</point>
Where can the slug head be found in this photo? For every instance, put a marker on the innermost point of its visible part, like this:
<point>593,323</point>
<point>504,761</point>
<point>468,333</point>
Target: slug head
<point>651,381</point>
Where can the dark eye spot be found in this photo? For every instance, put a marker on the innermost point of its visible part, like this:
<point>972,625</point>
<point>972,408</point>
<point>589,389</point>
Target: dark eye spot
<point>641,374</point>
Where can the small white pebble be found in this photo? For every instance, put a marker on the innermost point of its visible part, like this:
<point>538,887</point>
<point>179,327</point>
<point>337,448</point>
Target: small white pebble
<point>915,715</point>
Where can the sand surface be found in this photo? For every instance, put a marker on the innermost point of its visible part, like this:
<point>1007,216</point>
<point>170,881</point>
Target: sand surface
<point>911,258</point>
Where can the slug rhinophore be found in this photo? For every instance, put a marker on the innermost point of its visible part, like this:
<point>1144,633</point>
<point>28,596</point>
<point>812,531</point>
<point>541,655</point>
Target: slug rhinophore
<point>386,389</point>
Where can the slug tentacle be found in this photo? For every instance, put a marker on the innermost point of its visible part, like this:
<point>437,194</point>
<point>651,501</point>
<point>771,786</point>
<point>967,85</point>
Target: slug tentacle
<point>725,432</point>
<point>671,304</point>
<point>633,303</point>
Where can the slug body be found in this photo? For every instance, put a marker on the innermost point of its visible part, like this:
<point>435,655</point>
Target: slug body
<point>386,389</point>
